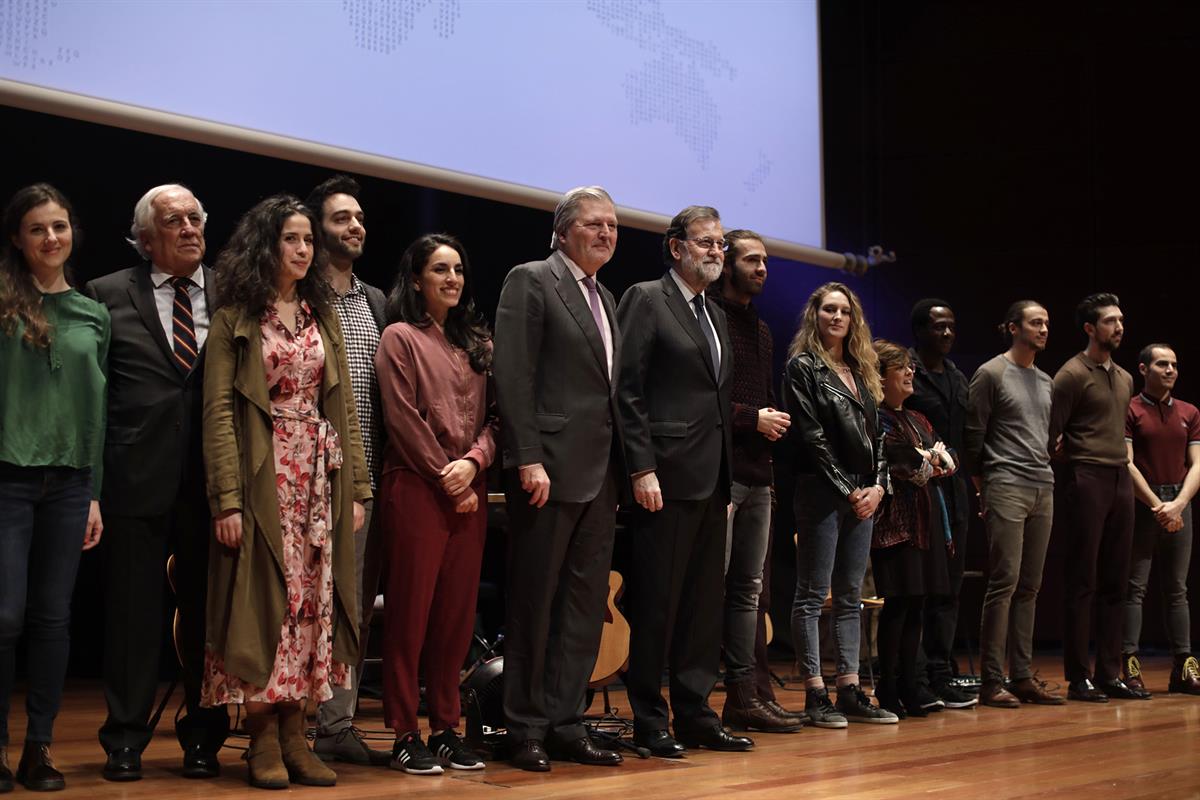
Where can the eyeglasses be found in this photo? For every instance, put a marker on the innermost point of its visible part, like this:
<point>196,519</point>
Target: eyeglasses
<point>708,244</point>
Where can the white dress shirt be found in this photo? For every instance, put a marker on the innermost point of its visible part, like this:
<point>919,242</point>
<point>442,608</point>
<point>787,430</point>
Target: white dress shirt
<point>164,302</point>
<point>688,294</point>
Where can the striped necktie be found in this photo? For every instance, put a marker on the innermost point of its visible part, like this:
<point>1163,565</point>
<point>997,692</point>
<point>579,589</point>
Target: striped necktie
<point>183,333</point>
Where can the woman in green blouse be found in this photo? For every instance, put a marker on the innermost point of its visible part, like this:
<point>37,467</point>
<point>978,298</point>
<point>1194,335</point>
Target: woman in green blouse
<point>53,349</point>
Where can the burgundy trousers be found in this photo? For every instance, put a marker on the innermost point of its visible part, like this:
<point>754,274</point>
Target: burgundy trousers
<point>433,555</point>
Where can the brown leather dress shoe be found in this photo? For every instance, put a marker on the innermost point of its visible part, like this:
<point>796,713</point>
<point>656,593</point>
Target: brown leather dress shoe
<point>1185,676</point>
<point>531,757</point>
<point>1030,690</point>
<point>995,695</point>
<point>799,716</point>
<point>745,712</point>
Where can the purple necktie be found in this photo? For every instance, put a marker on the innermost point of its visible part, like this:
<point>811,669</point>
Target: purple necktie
<point>594,302</point>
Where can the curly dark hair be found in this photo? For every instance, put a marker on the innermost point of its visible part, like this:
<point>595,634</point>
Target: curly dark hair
<point>20,300</point>
<point>465,326</point>
<point>249,262</point>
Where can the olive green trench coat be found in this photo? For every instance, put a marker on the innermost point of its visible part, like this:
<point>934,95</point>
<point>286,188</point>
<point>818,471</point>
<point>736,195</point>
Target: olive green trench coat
<point>247,596</point>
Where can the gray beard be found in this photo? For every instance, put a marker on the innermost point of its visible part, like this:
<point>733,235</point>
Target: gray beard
<point>706,272</point>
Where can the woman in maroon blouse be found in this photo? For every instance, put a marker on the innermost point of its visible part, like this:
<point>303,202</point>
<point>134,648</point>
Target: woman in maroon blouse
<point>433,366</point>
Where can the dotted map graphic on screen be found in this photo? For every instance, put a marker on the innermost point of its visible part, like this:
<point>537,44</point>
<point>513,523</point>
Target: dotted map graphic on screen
<point>23,26</point>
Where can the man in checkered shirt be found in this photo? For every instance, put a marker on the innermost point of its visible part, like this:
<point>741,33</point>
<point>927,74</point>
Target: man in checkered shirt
<point>360,308</point>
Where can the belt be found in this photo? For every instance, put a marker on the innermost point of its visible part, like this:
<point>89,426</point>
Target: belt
<point>328,457</point>
<point>1166,491</point>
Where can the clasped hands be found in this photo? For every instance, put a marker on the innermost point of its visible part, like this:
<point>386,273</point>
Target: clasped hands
<point>456,479</point>
<point>1169,515</point>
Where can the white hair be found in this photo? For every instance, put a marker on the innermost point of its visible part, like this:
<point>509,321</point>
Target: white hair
<point>568,209</point>
<point>143,215</point>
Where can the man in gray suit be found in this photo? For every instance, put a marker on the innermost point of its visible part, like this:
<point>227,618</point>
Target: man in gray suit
<point>153,495</point>
<point>557,353</point>
<point>675,406</point>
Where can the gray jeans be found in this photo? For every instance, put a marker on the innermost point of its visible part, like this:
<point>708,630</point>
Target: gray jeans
<point>746,536</point>
<point>1171,553</point>
<point>337,713</point>
<point>1018,521</point>
<point>832,549</point>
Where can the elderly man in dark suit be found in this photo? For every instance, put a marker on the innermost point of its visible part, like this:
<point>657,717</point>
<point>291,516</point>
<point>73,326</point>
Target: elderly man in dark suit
<point>558,348</point>
<point>153,495</point>
<point>675,406</point>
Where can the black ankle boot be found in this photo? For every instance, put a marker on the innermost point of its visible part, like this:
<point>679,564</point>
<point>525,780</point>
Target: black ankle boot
<point>36,771</point>
<point>6,776</point>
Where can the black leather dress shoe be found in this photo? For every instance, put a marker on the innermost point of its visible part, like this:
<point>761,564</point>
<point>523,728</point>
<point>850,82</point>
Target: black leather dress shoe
<point>531,757</point>
<point>1086,691</point>
<point>660,743</point>
<point>123,764</point>
<point>36,771</point>
<point>716,738</point>
<point>1122,691</point>
<point>584,751</point>
<point>199,763</point>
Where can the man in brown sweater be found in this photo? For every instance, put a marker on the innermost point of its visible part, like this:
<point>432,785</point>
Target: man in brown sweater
<point>1087,419</point>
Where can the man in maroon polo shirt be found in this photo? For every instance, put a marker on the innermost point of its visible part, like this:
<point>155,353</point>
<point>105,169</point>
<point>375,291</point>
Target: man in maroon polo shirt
<point>1162,435</point>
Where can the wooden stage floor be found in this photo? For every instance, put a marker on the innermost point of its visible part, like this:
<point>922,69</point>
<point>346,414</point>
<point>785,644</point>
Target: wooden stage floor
<point>1124,749</point>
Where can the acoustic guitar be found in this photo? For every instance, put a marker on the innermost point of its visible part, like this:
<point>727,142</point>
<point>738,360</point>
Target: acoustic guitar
<point>613,657</point>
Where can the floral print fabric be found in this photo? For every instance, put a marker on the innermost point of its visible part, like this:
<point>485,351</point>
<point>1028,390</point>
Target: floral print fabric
<point>306,450</point>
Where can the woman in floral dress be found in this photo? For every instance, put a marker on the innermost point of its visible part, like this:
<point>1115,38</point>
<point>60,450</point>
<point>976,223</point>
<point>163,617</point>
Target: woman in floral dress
<point>286,477</point>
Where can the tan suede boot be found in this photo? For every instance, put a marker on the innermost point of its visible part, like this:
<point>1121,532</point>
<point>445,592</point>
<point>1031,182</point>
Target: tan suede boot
<point>302,764</point>
<point>263,758</point>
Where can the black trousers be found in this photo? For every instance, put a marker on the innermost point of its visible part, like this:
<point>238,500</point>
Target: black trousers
<point>135,558</point>
<point>941,615</point>
<point>1100,541</point>
<point>559,557</point>
<point>677,598</point>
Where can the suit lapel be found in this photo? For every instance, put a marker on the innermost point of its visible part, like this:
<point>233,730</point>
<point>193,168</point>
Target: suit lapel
<point>141,292</point>
<point>687,319</point>
<point>572,298</point>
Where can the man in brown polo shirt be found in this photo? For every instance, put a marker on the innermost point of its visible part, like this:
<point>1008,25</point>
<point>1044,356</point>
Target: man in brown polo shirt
<point>1091,396</point>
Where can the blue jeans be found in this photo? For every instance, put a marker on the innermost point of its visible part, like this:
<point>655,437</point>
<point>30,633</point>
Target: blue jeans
<point>43,513</point>
<point>832,549</point>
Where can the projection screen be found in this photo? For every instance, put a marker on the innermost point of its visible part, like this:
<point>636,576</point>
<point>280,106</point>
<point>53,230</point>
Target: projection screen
<point>664,103</point>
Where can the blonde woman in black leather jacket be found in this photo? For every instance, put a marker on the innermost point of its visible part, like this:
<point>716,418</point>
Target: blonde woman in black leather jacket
<point>831,387</point>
